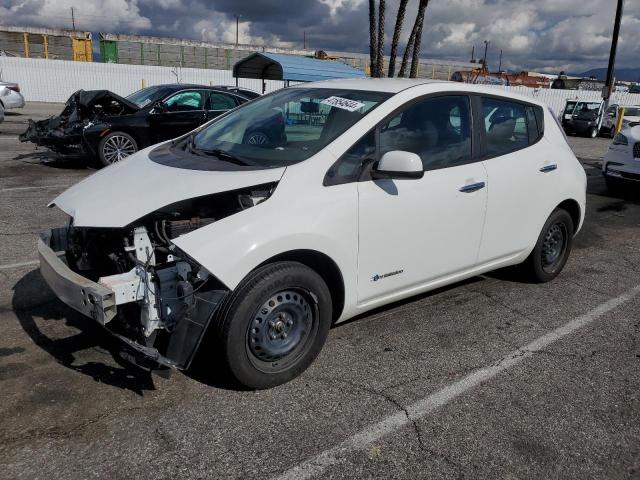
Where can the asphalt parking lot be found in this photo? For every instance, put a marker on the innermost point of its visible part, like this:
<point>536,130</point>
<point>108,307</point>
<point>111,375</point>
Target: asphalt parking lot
<point>489,378</point>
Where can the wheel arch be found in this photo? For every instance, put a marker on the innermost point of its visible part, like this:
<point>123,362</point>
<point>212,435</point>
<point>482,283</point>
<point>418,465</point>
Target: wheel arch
<point>322,264</point>
<point>572,207</point>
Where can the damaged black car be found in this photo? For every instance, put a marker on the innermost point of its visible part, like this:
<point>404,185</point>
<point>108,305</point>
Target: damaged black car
<point>104,126</point>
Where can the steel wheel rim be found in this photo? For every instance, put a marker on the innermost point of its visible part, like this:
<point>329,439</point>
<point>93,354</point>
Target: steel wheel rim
<point>281,330</point>
<point>553,246</point>
<point>258,139</point>
<point>117,147</point>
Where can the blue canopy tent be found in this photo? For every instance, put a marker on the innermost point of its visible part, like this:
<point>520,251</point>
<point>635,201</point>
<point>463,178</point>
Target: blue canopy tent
<point>278,66</point>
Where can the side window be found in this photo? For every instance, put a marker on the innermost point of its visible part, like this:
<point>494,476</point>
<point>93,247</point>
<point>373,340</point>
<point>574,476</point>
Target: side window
<point>438,129</point>
<point>221,101</point>
<point>505,125</point>
<point>185,101</point>
<point>348,166</point>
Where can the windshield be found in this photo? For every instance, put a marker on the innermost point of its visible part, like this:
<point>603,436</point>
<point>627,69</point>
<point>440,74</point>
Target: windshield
<point>570,106</point>
<point>285,127</point>
<point>587,110</point>
<point>148,95</point>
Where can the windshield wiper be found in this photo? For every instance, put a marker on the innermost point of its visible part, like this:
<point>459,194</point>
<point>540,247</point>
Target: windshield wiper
<point>222,155</point>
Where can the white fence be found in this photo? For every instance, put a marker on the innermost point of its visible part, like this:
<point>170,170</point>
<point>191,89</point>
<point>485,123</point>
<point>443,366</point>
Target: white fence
<point>55,80</point>
<point>556,99</point>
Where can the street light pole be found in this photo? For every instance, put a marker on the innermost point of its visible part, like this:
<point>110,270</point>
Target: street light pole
<point>606,93</point>
<point>484,60</point>
<point>237,21</point>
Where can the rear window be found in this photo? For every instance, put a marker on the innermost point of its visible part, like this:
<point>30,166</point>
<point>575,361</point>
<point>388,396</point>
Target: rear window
<point>505,125</point>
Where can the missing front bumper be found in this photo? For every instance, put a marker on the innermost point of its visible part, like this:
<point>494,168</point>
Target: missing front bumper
<point>89,298</point>
<point>175,349</point>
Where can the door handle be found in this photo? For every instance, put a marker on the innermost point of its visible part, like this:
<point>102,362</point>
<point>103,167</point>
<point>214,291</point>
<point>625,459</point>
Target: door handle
<point>472,187</point>
<point>548,168</point>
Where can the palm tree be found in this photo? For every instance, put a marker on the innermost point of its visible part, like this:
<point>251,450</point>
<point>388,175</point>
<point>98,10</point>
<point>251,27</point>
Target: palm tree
<point>380,51</point>
<point>410,43</point>
<point>415,60</point>
<point>373,44</point>
<point>402,8</point>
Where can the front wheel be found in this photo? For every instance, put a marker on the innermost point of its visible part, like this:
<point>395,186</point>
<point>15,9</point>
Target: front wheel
<point>115,146</point>
<point>593,132</point>
<point>274,324</point>
<point>552,249</point>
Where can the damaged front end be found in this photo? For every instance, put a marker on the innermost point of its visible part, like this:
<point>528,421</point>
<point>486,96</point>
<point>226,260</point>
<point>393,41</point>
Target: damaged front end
<point>135,282</point>
<point>64,133</point>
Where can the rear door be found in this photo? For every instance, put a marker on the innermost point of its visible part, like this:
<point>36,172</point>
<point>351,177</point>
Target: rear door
<point>219,103</point>
<point>520,175</point>
<point>184,112</point>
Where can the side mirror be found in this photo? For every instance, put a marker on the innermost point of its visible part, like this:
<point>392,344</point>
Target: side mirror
<point>160,107</point>
<point>398,164</point>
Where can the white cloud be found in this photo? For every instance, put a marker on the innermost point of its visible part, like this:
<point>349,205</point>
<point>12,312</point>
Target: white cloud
<point>90,15</point>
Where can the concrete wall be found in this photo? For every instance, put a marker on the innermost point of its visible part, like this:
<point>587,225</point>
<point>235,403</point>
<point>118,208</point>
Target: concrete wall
<point>54,81</point>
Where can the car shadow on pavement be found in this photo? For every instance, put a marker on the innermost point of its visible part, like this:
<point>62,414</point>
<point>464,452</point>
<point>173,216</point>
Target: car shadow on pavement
<point>35,306</point>
<point>48,159</point>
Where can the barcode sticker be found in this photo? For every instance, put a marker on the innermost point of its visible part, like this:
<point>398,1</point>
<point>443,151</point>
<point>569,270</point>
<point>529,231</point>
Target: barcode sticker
<point>343,103</point>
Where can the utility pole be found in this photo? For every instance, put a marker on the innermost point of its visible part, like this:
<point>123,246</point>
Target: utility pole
<point>473,53</point>
<point>500,65</point>
<point>486,47</point>
<point>304,39</point>
<point>73,20</point>
<point>606,92</point>
<point>237,29</point>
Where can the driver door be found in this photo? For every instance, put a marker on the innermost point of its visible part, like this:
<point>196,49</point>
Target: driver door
<point>416,231</point>
<point>184,112</point>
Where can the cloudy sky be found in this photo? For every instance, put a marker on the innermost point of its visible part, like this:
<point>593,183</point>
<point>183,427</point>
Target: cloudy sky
<point>546,35</point>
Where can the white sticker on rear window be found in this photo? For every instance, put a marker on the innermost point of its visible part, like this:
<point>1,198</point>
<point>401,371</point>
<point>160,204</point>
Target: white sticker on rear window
<point>343,103</point>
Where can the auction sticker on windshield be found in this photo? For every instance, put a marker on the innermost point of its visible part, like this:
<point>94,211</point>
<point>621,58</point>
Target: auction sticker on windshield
<point>343,103</point>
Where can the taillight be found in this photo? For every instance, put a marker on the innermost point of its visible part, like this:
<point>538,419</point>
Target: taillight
<point>15,88</point>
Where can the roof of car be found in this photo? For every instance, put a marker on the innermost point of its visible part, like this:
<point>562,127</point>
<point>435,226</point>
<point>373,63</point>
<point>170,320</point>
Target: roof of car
<point>396,85</point>
<point>390,85</point>
<point>180,86</point>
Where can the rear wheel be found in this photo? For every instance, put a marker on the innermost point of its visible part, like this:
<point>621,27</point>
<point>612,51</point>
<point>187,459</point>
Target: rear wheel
<point>552,249</point>
<point>274,324</point>
<point>115,146</point>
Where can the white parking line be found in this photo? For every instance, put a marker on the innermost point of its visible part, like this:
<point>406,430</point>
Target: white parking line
<point>9,266</point>
<point>13,189</point>
<point>316,465</point>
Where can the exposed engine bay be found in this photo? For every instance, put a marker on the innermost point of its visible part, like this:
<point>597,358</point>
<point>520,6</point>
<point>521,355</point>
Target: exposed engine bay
<point>63,133</point>
<point>164,300</point>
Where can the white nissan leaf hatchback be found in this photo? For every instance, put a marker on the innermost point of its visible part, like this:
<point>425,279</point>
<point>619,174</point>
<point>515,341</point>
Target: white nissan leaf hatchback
<point>307,207</point>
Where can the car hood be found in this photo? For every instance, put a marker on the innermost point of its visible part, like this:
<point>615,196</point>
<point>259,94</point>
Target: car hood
<point>89,98</point>
<point>122,193</point>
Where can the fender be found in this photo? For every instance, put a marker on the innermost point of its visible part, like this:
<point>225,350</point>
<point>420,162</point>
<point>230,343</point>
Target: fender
<point>233,246</point>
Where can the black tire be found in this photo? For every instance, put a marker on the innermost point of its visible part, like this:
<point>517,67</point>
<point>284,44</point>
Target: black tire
<point>592,132</point>
<point>247,324</point>
<point>115,146</point>
<point>543,265</point>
